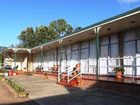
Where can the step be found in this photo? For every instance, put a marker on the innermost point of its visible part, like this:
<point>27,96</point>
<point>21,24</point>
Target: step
<point>72,83</point>
<point>63,83</point>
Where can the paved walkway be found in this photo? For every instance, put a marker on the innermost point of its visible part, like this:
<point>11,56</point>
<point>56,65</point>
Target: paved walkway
<point>8,97</point>
<point>47,92</point>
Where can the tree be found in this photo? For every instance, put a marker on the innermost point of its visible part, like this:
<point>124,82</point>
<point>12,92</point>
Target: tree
<point>77,29</point>
<point>41,34</point>
<point>27,38</point>
<point>30,38</point>
<point>60,27</point>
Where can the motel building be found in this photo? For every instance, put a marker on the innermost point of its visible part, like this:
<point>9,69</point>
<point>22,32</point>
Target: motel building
<point>97,49</point>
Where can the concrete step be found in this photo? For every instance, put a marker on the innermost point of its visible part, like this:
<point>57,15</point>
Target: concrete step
<point>72,83</point>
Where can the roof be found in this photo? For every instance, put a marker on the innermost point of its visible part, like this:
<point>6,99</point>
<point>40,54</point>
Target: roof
<point>114,18</point>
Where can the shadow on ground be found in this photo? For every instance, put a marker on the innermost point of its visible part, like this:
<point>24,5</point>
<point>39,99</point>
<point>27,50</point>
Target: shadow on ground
<point>77,96</point>
<point>87,97</point>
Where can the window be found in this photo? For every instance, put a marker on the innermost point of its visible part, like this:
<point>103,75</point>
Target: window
<point>138,40</point>
<point>104,46</point>
<point>129,43</point>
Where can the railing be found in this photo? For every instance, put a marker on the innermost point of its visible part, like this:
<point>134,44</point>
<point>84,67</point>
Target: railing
<point>129,63</point>
<point>73,77</point>
<point>60,76</point>
<point>68,74</point>
<point>108,60</point>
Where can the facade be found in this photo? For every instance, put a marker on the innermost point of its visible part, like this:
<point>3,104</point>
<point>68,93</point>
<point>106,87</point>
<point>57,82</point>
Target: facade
<point>99,48</point>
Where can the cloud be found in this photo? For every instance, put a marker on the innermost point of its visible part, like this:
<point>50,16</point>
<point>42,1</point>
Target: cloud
<point>129,1</point>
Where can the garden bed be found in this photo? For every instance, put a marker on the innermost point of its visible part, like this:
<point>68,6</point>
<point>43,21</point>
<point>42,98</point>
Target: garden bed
<point>18,89</point>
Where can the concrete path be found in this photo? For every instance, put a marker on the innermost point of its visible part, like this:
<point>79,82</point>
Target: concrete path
<point>40,88</point>
<point>47,92</point>
<point>9,97</point>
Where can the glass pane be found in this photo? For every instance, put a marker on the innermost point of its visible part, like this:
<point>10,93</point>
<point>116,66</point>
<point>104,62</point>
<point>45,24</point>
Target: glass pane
<point>114,50</point>
<point>104,40</point>
<point>75,46</point>
<point>104,51</point>
<point>138,46</point>
<point>129,48</point>
<point>84,45</point>
<point>114,38</point>
<point>130,35</point>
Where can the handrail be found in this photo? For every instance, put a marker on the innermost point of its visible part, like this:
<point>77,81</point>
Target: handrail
<point>131,63</point>
<point>73,77</point>
<point>63,76</point>
<point>67,75</point>
<point>70,72</point>
<point>115,58</point>
<point>119,58</point>
<point>60,73</point>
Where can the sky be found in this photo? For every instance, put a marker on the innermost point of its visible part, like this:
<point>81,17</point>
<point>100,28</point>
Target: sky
<point>17,15</point>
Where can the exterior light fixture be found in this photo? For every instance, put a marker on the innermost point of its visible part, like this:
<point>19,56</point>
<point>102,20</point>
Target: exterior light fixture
<point>108,29</point>
<point>69,40</point>
<point>133,21</point>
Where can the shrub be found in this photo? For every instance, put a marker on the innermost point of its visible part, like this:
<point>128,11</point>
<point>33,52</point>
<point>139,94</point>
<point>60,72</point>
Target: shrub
<point>15,86</point>
<point>117,69</point>
<point>0,77</point>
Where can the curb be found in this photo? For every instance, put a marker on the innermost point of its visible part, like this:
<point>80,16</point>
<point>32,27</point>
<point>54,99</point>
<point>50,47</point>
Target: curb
<point>10,89</point>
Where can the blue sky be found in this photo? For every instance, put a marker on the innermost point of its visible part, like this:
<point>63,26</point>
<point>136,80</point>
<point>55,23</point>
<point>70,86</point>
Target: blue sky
<point>16,15</point>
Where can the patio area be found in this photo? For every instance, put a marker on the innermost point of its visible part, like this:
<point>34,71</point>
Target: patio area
<point>47,92</point>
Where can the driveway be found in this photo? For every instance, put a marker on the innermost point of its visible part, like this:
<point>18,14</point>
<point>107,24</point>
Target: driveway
<point>47,92</point>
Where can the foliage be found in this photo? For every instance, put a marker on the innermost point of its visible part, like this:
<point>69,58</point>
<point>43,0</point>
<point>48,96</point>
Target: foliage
<point>77,29</point>
<point>1,58</point>
<point>20,91</point>
<point>3,70</point>
<point>117,69</point>
<point>1,77</point>
<point>27,38</point>
<point>15,86</point>
<point>33,37</point>
<point>60,27</point>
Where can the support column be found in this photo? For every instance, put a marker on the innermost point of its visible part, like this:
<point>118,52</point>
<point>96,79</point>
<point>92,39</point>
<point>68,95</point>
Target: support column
<point>60,52</point>
<point>96,30</point>
<point>29,61</point>
<point>41,55</point>
<point>15,58</point>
